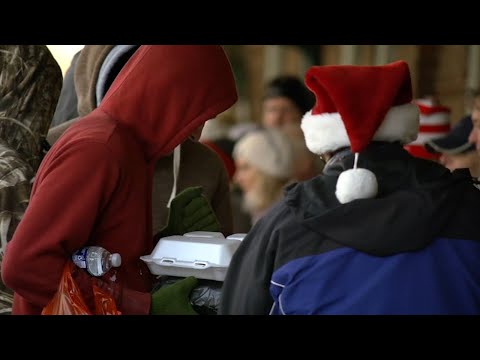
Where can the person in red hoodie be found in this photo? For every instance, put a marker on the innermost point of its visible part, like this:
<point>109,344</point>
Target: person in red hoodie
<point>94,186</point>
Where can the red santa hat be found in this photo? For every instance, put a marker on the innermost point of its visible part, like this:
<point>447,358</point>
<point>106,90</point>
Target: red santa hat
<point>354,106</point>
<point>434,123</point>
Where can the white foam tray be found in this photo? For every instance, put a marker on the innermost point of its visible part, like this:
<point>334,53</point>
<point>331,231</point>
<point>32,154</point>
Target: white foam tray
<point>205,255</point>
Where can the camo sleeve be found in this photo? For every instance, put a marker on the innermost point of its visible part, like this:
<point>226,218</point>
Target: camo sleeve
<point>15,188</point>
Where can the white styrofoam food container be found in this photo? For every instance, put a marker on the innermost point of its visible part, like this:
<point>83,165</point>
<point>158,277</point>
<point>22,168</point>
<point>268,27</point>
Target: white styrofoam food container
<point>205,255</point>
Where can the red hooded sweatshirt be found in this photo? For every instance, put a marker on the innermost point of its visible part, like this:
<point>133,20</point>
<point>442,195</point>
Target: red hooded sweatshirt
<point>94,186</point>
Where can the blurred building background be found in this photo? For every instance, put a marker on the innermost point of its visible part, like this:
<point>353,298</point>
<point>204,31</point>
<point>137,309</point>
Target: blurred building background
<point>450,72</point>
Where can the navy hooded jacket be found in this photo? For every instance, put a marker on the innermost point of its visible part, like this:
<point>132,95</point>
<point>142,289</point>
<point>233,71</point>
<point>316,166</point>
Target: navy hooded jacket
<point>414,249</point>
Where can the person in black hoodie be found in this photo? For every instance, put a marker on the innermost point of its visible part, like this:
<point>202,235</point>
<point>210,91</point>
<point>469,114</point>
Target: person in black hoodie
<point>379,231</point>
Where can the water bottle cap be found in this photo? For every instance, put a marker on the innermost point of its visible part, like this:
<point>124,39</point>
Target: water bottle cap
<point>116,260</point>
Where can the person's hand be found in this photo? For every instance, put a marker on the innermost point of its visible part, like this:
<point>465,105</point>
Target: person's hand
<point>190,211</point>
<point>198,215</point>
<point>174,299</point>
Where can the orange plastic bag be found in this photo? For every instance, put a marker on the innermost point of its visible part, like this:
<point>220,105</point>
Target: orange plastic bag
<point>68,299</point>
<point>104,303</point>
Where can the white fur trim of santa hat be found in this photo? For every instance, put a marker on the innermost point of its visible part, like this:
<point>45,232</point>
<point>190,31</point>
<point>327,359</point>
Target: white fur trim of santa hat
<point>326,132</point>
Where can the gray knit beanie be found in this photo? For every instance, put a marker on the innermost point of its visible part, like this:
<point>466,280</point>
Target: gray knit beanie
<point>271,151</point>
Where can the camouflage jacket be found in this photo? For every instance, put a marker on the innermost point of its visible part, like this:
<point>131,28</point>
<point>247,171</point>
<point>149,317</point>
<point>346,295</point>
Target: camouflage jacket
<point>30,84</point>
<point>15,187</point>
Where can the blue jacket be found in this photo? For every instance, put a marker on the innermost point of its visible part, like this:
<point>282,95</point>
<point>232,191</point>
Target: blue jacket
<point>414,249</point>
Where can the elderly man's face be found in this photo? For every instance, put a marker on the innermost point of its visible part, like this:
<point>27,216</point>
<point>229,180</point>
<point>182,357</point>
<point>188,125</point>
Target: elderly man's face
<point>245,175</point>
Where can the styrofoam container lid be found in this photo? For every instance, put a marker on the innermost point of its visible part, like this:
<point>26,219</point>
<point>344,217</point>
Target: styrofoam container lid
<point>206,234</point>
<point>193,251</point>
<point>239,236</point>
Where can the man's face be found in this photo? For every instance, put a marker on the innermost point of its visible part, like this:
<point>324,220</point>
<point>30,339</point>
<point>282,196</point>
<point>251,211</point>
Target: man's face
<point>279,112</point>
<point>474,137</point>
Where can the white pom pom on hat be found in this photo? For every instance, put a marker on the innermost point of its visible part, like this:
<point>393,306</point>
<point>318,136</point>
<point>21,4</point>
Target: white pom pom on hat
<point>357,183</point>
<point>355,105</point>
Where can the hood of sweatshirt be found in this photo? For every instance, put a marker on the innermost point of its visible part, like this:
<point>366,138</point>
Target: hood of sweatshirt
<point>95,70</point>
<point>165,92</point>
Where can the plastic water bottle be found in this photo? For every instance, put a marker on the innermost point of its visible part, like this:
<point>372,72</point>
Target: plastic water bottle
<point>96,260</point>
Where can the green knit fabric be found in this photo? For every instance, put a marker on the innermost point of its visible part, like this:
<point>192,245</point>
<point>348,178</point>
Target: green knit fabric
<point>190,211</point>
<point>174,299</point>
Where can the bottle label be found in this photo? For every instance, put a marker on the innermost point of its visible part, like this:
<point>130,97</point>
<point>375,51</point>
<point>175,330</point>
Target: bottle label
<point>80,258</point>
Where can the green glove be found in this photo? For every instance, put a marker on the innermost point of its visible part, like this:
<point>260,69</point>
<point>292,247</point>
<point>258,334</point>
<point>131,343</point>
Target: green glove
<point>190,211</point>
<point>174,299</point>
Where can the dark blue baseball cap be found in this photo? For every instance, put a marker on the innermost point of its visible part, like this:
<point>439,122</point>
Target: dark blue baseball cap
<point>456,141</point>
